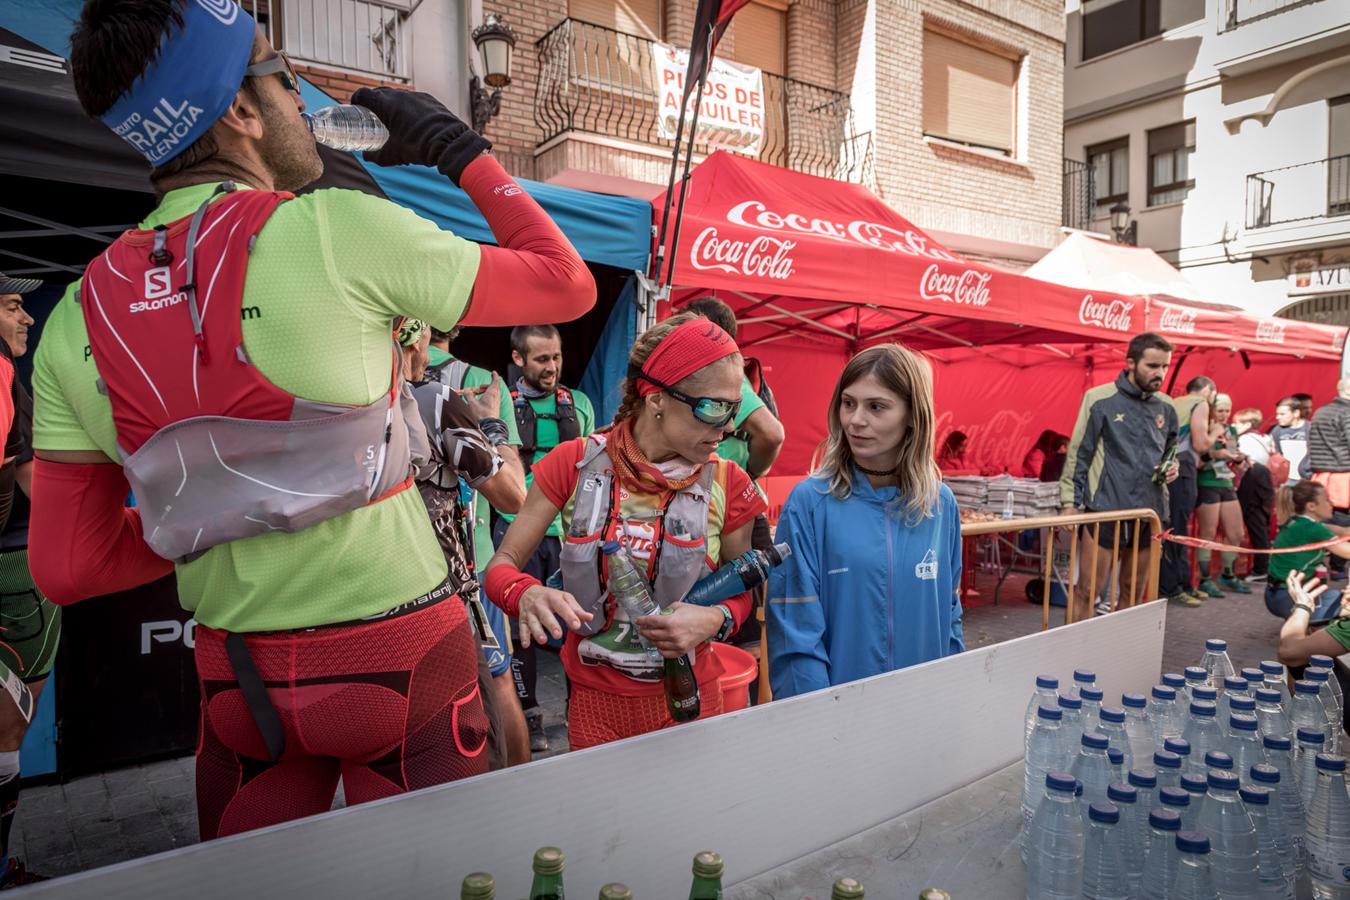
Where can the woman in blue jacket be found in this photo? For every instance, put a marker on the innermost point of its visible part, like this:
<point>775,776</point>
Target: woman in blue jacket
<point>873,581</point>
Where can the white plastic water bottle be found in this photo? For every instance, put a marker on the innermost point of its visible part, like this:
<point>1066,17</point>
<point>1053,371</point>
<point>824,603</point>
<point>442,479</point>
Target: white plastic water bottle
<point>1196,676</point>
<point>1103,855</point>
<point>1164,716</point>
<point>1093,769</point>
<point>1235,687</point>
<point>1217,667</point>
<point>1045,754</point>
<point>1145,784</point>
<point>1009,505</point>
<point>1238,705</point>
<point>1255,677</point>
<point>1131,828</point>
<point>1179,802</point>
<point>1137,728</point>
<point>1197,788</point>
<point>1182,748</point>
<point>628,586</point>
<point>1082,678</point>
<point>1275,680</point>
<point>1207,693</point>
<point>1307,710</point>
<point>1167,765</point>
<point>1282,761</point>
<point>1271,717</point>
<point>1160,854</point>
<point>347,127</point>
<point>1055,847</point>
<point>1194,879</point>
<point>1277,816</point>
<point>1113,726</point>
<point>1218,759</point>
<point>1202,733</point>
<point>1324,678</point>
<point>1244,746</point>
<point>1046,694</point>
<point>1071,725</point>
<point>1326,662</point>
<point>1117,758</point>
<point>1328,837</point>
<point>1310,744</point>
<point>1092,707</point>
<point>1275,880</point>
<point>1232,837</point>
<point>1177,682</point>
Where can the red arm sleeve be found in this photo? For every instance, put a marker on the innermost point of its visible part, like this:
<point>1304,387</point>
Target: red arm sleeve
<point>83,541</point>
<point>534,275</point>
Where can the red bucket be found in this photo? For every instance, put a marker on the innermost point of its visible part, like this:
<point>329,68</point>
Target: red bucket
<point>739,668</point>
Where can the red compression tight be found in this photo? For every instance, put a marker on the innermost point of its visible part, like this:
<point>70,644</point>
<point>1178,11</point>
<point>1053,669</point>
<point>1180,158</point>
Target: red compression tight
<point>388,706</point>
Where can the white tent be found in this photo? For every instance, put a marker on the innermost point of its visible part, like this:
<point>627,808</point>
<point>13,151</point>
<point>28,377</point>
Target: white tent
<point>1090,263</point>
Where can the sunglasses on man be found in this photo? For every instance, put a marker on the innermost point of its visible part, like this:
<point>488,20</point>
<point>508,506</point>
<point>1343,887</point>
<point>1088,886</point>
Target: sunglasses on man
<point>708,410</point>
<point>278,65</point>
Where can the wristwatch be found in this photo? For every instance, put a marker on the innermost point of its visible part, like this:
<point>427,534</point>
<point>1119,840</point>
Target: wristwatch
<point>728,624</point>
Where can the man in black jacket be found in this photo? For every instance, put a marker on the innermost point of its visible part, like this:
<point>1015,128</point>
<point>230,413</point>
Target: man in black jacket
<point>1329,458</point>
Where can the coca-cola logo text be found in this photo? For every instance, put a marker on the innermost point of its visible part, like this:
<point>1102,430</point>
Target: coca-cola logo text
<point>1270,331</point>
<point>1177,320</point>
<point>968,287</point>
<point>761,257</point>
<point>1112,314</point>
<point>753,214</point>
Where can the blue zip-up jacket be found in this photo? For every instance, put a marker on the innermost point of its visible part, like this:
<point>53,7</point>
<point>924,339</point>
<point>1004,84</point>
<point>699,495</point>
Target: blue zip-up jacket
<point>862,593</point>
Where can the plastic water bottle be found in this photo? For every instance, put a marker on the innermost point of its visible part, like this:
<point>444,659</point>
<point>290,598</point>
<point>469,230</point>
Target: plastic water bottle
<point>1275,879</point>
<point>1216,664</point>
<point>1009,506</point>
<point>1071,708</point>
<point>1103,855</point>
<point>1217,759</point>
<point>1271,717</point>
<point>1082,678</point>
<point>1202,733</point>
<point>1182,748</point>
<point>1197,788</point>
<point>1326,662</point>
<point>1145,784</point>
<point>1328,837</point>
<point>1113,726</point>
<point>1055,848</point>
<point>347,127</point>
<point>1255,677</point>
<point>1117,758</point>
<point>1309,747</point>
<point>747,571</point>
<point>1279,751</point>
<point>1195,880</point>
<point>1232,836</point>
<point>1278,815</point>
<point>1137,727</point>
<point>1091,698</point>
<point>1196,676</point>
<point>1324,678</point>
<point>1046,694</point>
<point>1045,754</point>
<point>1235,701</point>
<point>1207,693</point>
<point>1164,716</point>
<point>1178,682</point>
<point>1307,710</point>
<point>1244,746</point>
<point>1160,854</point>
<point>1167,765</point>
<point>1233,685</point>
<point>1093,769</point>
<point>1178,801</point>
<point>628,585</point>
<point>1275,680</point>
<point>1131,828</point>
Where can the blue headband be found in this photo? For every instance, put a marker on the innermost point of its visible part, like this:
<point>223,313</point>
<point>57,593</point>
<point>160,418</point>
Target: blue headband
<point>189,84</point>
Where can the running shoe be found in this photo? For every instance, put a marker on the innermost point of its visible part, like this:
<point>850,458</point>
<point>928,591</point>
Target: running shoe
<point>1102,606</point>
<point>1210,588</point>
<point>1196,593</point>
<point>1256,578</point>
<point>1185,599</point>
<point>538,738</point>
<point>1234,584</point>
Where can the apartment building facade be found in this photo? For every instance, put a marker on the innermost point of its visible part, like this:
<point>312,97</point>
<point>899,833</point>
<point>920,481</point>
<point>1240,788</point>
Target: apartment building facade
<point>1225,126</point>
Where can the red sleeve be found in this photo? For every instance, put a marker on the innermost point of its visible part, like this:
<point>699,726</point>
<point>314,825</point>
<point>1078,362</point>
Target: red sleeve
<point>556,474</point>
<point>83,541</point>
<point>743,499</point>
<point>534,274</point>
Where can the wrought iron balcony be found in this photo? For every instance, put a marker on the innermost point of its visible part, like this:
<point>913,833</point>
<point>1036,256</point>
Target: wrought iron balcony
<point>363,36</point>
<point>597,80</point>
<point>1078,200</point>
<point>1240,12</point>
<point>1313,190</point>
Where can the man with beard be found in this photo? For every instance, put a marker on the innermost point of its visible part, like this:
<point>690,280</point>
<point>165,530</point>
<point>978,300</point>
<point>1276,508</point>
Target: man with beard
<point>1123,433</point>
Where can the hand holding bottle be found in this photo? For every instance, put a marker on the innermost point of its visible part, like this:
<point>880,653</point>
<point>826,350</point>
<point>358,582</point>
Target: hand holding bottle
<point>683,628</point>
<point>542,608</point>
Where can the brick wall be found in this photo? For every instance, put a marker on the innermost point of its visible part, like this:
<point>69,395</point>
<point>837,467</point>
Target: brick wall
<point>341,85</point>
<point>513,131</point>
<point>810,35</point>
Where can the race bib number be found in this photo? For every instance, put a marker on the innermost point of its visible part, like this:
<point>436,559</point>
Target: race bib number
<point>619,648</point>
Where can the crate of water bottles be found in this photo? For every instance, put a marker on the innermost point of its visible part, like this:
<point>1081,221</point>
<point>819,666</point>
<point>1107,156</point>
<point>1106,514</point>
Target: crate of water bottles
<point>1222,783</point>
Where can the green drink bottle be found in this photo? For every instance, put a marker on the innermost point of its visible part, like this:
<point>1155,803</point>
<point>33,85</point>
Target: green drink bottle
<point>478,886</point>
<point>707,876</point>
<point>548,869</point>
<point>847,889</point>
<point>616,892</point>
<point>681,686</point>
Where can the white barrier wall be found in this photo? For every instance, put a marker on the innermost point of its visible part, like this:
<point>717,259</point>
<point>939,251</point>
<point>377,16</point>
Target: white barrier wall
<point>763,787</point>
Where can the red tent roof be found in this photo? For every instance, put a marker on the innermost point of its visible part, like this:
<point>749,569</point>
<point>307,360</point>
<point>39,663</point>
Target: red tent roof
<point>805,257</point>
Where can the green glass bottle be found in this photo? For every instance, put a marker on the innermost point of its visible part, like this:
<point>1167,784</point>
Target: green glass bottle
<point>548,869</point>
<point>681,686</point>
<point>707,876</point>
<point>478,886</point>
<point>616,892</point>
<point>847,889</point>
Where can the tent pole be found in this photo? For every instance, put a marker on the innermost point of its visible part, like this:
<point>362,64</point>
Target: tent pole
<point>688,159</point>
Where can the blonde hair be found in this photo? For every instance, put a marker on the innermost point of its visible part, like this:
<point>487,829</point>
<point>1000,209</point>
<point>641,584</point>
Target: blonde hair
<point>631,404</point>
<point>910,377</point>
<point>1294,500</point>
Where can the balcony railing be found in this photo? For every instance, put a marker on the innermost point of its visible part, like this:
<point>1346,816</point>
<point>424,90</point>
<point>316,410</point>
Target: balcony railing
<point>363,36</point>
<point>598,80</point>
<point>1314,190</point>
<point>1240,12</point>
<point>1079,198</point>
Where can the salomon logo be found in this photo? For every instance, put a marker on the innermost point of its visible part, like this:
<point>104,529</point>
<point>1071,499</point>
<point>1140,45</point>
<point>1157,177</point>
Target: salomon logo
<point>157,283</point>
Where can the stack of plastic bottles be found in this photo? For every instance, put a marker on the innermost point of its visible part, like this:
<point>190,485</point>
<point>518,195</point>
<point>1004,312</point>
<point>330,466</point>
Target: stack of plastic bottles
<point>1219,783</point>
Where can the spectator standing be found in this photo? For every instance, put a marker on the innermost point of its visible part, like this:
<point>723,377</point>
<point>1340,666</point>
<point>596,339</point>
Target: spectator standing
<point>1123,431</point>
<point>1218,503</point>
<point>1329,458</point>
<point>1046,446</point>
<point>1193,438</point>
<point>874,580</point>
<point>1255,489</point>
<point>1291,437</point>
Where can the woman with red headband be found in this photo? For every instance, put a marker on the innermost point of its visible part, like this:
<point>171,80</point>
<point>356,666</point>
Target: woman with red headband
<point>654,483</point>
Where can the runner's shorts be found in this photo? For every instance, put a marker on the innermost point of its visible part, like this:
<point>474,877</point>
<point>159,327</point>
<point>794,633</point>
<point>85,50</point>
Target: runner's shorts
<point>1208,495</point>
<point>30,624</point>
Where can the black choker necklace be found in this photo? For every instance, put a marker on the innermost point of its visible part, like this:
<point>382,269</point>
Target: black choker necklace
<point>873,472</point>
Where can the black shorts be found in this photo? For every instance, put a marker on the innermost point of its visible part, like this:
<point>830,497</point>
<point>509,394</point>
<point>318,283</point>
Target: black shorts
<point>1209,495</point>
<point>1106,533</point>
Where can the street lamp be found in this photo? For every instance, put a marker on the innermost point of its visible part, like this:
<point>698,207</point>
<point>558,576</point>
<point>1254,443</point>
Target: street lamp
<point>1125,230</point>
<point>494,42</point>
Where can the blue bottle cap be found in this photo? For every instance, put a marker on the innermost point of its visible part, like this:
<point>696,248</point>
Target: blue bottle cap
<point>1195,673</point>
<point>1134,701</point>
<point>1252,674</point>
<point>1165,819</point>
<point>1277,742</point>
<point>612,547</point>
<point>1194,784</point>
<point>1317,674</point>
<point>1049,682</point>
<point>1104,812</point>
<point>1305,686</point>
<point>1172,679</point>
<point>1216,645</point>
<point>1242,723</point>
<point>1267,695</point>
<point>1067,702</point>
<point>1170,796</point>
<point>1254,794</point>
<point>1095,740</point>
<point>1203,708</point>
<point>1265,773</point>
<point>1234,683</point>
<point>1330,762</point>
<point>1049,712</point>
<point>1091,694</point>
<point>1321,661</point>
<point>1200,692</point>
<point>1121,793</point>
<point>1217,759</point>
<point>1113,714</point>
<point>1117,757</point>
<point>1272,667</point>
<point>1192,842</point>
<point>1061,781</point>
<point>1241,702</point>
<point>1179,746</point>
<point>1164,692</point>
<point>1311,736</point>
<point>1166,759</point>
<point>1224,781</point>
<point>1084,676</point>
<point>1144,778</point>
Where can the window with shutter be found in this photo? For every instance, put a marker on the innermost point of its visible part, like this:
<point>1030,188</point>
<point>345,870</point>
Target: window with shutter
<point>1112,24</point>
<point>1110,163</point>
<point>639,17</point>
<point>1169,163</point>
<point>969,93</point>
<point>616,57</point>
<point>761,38</point>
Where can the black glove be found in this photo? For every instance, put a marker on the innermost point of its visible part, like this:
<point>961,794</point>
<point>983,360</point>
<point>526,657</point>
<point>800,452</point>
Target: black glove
<point>421,132</point>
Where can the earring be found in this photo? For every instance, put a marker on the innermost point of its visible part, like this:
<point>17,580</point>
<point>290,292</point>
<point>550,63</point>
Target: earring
<point>658,415</point>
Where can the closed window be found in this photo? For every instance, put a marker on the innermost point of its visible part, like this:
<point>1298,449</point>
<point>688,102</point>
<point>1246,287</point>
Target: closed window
<point>1169,163</point>
<point>639,17</point>
<point>1111,24</point>
<point>969,93</point>
<point>760,38</point>
<point>1110,165</point>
